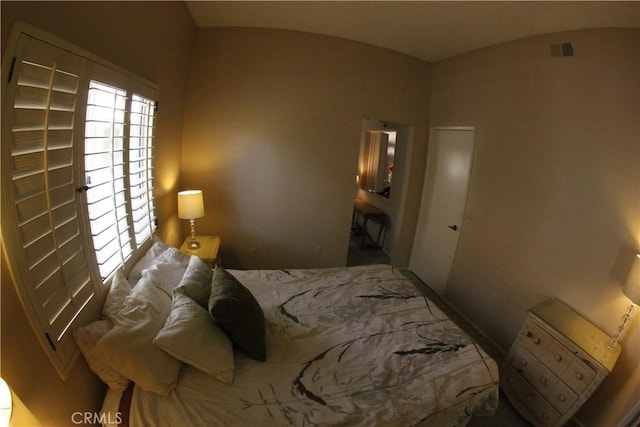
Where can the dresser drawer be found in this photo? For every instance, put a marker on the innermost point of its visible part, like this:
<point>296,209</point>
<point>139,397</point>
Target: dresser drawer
<point>580,374</point>
<point>528,400</point>
<point>560,359</point>
<point>542,379</point>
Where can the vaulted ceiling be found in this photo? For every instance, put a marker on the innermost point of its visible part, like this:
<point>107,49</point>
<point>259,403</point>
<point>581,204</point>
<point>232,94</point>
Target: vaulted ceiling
<point>429,30</point>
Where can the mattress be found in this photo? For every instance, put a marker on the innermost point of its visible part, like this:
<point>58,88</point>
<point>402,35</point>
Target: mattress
<point>345,346</point>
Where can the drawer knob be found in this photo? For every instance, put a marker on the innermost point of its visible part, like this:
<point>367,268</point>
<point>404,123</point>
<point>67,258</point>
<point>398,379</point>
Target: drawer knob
<point>579,375</point>
<point>536,340</point>
<point>557,357</point>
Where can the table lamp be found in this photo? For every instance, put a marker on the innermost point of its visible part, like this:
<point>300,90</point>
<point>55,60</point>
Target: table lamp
<point>632,291</point>
<point>191,206</point>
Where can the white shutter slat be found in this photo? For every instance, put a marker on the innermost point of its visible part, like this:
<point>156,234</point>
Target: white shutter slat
<point>61,176</point>
<point>66,232</point>
<point>28,186</point>
<point>43,245</point>
<point>34,229</point>
<point>26,164</point>
<point>26,119</point>
<point>31,208</point>
<point>44,268</point>
<point>71,247</point>
<point>60,196</point>
<point>26,141</point>
<point>29,97</point>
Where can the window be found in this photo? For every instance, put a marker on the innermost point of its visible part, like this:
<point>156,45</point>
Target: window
<point>120,203</point>
<point>77,182</point>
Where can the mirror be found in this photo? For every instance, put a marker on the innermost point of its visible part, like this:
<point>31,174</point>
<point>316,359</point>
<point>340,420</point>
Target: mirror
<point>377,161</point>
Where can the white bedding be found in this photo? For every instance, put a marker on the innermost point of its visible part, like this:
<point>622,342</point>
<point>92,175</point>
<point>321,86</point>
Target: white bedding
<point>345,346</point>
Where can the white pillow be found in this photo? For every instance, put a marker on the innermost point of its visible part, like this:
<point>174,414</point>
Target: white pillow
<point>114,302</point>
<point>87,337</point>
<point>145,262</point>
<point>191,336</point>
<point>167,269</point>
<point>129,348</point>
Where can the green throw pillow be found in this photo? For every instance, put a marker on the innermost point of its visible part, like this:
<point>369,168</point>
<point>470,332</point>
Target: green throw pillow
<point>234,308</point>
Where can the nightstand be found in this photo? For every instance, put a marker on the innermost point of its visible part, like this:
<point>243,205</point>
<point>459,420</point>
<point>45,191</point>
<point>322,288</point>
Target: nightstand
<point>557,361</point>
<point>208,250</point>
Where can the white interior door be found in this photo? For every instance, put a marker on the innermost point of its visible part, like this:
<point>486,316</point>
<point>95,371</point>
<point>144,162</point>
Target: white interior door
<point>442,207</point>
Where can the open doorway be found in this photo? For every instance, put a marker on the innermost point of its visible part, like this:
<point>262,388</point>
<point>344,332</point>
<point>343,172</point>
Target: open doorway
<point>380,194</point>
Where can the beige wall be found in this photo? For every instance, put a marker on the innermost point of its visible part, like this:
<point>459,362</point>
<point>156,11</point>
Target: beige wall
<point>152,40</point>
<point>272,131</point>
<point>272,135</point>
<point>554,207</point>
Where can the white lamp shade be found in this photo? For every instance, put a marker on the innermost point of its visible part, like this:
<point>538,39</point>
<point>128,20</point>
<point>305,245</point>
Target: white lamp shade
<point>632,285</point>
<point>190,204</point>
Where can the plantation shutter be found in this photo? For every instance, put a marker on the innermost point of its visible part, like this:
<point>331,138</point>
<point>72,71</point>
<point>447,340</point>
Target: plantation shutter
<point>41,226</point>
<point>105,175</point>
<point>118,164</point>
<point>141,166</point>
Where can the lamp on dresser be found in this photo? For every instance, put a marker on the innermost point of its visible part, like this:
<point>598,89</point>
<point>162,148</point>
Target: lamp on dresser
<point>632,291</point>
<point>191,206</point>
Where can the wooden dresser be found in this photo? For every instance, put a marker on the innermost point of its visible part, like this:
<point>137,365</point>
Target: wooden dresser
<point>557,361</point>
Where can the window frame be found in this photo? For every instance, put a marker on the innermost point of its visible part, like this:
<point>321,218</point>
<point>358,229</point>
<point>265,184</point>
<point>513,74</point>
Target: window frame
<point>11,240</point>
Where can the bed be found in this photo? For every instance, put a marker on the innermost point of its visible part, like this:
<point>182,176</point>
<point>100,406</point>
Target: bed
<point>341,346</point>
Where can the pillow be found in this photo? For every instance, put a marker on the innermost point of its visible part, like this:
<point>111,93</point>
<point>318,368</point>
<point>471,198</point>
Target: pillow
<point>128,347</point>
<point>196,282</point>
<point>114,302</point>
<point>234,308</point>
<point>87,337</point>
<point>191,336</point>
<point>167,269</point>
<point>143,263</point>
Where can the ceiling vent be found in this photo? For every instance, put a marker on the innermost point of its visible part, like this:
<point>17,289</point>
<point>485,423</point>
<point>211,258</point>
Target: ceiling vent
<point>562,49</point>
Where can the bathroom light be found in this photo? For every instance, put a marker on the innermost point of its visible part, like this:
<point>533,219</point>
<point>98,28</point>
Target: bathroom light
<point>632,291</point>
<point>191,206</point>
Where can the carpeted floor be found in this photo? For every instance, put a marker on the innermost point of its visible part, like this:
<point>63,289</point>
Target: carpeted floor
<point>367,256</point>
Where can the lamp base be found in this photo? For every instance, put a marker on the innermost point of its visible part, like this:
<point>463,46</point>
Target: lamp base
<point>193,244</point>
<point>625,319</point>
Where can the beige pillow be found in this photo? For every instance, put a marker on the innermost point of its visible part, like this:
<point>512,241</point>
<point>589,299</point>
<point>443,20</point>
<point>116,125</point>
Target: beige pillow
<point>128,347</point>
<point>191,336</point>
<point>157,248</point>
<point>87,337</point>
<point>114,302</point>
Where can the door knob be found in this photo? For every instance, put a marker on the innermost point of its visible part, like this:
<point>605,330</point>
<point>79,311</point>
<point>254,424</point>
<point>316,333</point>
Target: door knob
<point>453,227</point>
